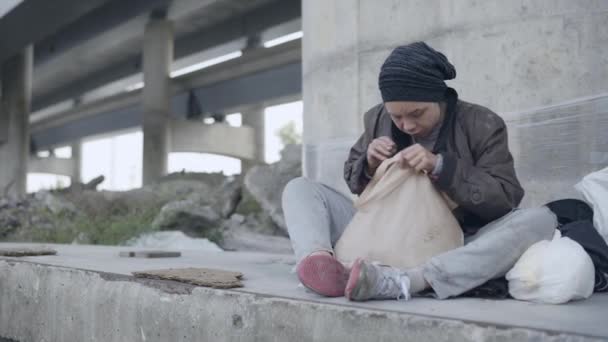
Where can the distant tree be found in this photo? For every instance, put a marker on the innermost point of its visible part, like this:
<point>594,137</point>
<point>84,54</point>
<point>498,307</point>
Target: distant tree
<point>59,184</point>
<point>288,134</point>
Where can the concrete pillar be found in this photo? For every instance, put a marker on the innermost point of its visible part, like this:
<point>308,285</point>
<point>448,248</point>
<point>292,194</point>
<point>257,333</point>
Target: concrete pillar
<point>254,117</point>
<point>156,95</point>
<point>16,93</point>
<point>510,56</point>
<point>77,162</point>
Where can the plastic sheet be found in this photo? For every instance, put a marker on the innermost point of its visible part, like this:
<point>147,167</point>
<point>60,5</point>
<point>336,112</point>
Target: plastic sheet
<point>555,147</point>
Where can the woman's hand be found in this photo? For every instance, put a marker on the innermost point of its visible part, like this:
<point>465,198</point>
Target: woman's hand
<point>378,151</point>
<point>418,158</point>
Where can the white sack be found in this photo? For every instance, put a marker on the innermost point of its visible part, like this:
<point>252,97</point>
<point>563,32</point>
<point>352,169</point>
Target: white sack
<point>594,188</point>
<point>552,272</point>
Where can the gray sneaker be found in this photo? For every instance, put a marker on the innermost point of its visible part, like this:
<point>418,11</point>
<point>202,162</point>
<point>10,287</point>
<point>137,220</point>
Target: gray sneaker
<point>373,281</point>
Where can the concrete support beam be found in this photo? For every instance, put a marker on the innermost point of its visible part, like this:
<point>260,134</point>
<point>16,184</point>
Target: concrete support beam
<point>192,136</point>
<point>331,84</point>
<point>54,165</point>
<point>156,96</point>
<point>76,161</point>
<point>48,16</point>
<point>16,89</point>
<point>228,87</point>
<point>254,117</point>
<point>4,118</point>
<point>112,55</point>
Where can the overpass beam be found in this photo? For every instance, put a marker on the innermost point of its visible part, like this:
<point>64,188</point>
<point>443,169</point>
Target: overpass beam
<point>156,95</point>
<point>52,165</point>
<point>254,118</point>
<point>16,94</point>
<point>198,137</point>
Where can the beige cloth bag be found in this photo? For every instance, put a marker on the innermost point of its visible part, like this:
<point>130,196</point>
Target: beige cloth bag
<point>401,220</point>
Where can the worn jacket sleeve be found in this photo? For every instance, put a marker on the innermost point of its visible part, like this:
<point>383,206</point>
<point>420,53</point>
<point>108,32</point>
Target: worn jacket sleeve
<point>488,188</point>
<point>354,167</point>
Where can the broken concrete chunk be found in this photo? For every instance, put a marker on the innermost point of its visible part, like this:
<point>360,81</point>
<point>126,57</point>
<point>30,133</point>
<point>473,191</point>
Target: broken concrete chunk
<point>265,183</point>
<point>24,251</point>
<point>150,254</point>
<point>241,235</point>
<point>187,215</point>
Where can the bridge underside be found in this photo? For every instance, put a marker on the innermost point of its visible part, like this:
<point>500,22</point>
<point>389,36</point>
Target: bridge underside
<point>107,66</point>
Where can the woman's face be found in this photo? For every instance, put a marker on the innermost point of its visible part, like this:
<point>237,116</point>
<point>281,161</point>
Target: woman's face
<point>414,118</point>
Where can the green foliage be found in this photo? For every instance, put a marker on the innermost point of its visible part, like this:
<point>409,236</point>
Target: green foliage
<point>248,205</point>
<point>288,134</point>
<point>59,184</point>
<point>95,229</point>
<point>215,235</point>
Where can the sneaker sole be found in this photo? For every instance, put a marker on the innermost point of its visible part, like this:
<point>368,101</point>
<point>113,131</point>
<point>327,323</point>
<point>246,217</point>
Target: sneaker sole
<point>353,290</point>
<point>323,274</point>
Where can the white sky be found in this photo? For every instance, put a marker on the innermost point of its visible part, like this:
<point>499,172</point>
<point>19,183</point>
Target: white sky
<point>119,157</point>
<point>7,5</point>
<point>276,117</point>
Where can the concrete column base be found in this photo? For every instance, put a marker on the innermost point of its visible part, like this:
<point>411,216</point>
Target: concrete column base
<point>16,85</point>
<point>254,117</point>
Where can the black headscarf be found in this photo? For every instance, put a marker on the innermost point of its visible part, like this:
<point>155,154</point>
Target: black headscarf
<point>415,72</point>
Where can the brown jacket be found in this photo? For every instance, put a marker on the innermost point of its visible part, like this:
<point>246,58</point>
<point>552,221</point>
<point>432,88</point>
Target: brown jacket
<point>478,172</point>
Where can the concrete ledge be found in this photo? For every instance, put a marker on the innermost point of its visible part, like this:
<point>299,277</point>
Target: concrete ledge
<point>42,302</point>
<point>58,166</point>
<point>192,136</point>
<point>48,303</point>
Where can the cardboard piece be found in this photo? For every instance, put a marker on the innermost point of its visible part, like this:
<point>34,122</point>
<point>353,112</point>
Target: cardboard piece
<point>218,279</point>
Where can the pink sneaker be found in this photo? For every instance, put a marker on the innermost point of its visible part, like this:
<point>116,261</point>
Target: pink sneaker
<point>323,274</point>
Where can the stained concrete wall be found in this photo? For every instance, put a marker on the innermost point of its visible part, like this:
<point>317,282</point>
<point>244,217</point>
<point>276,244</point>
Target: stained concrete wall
<point>511,56</point>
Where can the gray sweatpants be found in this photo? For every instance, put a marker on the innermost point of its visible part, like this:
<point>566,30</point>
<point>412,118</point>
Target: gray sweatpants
<point>317,215</point>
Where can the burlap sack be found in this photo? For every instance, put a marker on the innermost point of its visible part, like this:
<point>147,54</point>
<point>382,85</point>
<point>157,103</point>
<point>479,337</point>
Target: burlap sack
<point>401,220</point>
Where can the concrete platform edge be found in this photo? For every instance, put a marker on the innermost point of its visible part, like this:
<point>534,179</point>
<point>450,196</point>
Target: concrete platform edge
<point>50,303</point>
